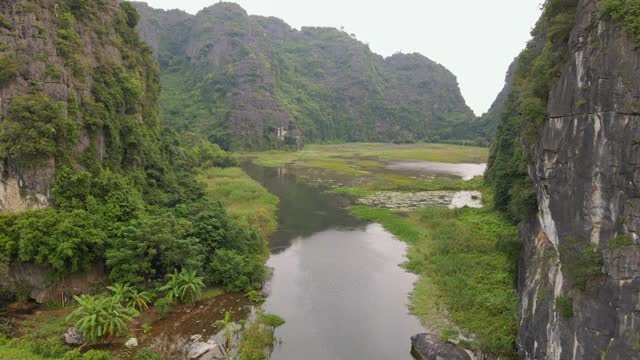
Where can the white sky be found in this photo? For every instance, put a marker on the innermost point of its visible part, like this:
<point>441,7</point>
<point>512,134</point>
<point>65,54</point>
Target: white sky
<point>475,39</point>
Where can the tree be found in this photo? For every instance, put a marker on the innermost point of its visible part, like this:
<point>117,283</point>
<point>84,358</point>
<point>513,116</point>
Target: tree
<point>121,292</point>
<point>35,128</point>
<point>139,299</point>
<point>190,286</point>
<point>236,272</point>
<point>229,329</point>
<point>172,287</point>
<point>100,317</point>
<point>130,296</point>
<point>185,286</point>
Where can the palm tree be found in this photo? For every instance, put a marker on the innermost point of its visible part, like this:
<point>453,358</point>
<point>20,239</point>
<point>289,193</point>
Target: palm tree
<point>121,292</point>
<point>190,288</point>
<point>139,299</point>
<point>99,317</point>
<point>229,330</point>
<point>172,287</point>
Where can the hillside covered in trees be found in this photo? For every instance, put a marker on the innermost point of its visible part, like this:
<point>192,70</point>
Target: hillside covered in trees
<point>112,192</point>
<point>252,82</point>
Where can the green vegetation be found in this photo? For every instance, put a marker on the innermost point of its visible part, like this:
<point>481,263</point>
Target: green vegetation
<point>368,154</point>
<point>621,241</point>
<point>538,68</point>
<point>185,287</point>
<point>5,23</point>
<point>9,67</point>
<point>229,329</point>
<point>467,262</point>
<point>126,196</point>
<point>244,198</point>
<point>38,349</point>
<point>129,296</point>
<point>626,12</point>
<point>100,317</point>
<point>235,271</point>
<point>564,306</point>
<point>147,354</point>
<point>258,337</point>
<point>581,261</point>
<point>35,129</point>
<point>365,165</point>
<point>346,96</point>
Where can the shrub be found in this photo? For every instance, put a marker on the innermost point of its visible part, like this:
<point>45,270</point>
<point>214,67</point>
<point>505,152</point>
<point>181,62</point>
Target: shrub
<point>130,13</point>
<point>66,241</point>
<point>5,23</point>
<point>164,306</point>
<point>271,320</point>
<point>620,241</point>
<point>53,72</point>
<point>99,317</point>
<point>68,41</point>
<point>9,67</point>
<point>236,272</point>
<point>147,354</point>
<point>255,297</point>
<point>626,12</point>
<point>184,286</point>
<point>581,261</point>
<point>564,306</point>
<point>35,129</point>
<point>96,355</point>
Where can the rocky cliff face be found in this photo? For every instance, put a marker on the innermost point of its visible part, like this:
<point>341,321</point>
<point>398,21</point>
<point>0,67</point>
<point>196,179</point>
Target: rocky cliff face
<point>254,82</point>
<point>78,88</point>
<point>79,134</point>
<point>580,273</point>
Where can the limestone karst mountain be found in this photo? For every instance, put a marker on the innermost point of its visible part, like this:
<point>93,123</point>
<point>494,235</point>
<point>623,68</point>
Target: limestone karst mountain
<point>254,82</point>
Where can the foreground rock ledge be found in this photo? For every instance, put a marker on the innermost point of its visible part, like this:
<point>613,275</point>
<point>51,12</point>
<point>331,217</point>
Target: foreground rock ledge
<point>429,347</point>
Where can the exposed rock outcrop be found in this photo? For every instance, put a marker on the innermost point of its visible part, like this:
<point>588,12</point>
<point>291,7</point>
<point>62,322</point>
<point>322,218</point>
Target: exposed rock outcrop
<point>586,169</point>
<point>37,282</point>
<point>429,347</point>
<point>73,336</point>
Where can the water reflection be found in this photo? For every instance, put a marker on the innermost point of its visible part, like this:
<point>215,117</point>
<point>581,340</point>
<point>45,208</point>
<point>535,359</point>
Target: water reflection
<point>303,210</point>
<point>336,279</point>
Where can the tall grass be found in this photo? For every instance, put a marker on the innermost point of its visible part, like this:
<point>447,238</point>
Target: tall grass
<point>244,198</point>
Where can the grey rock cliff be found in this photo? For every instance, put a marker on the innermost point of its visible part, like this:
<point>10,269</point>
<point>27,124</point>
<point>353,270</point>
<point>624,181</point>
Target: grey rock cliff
<point>587,173</point>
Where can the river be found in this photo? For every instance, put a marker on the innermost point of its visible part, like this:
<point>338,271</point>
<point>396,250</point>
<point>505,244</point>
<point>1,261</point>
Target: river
<point>337,280</point>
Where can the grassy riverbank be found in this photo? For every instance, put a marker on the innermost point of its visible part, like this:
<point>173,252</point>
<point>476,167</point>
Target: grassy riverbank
<point>466,260</point>
<point>243,197</point>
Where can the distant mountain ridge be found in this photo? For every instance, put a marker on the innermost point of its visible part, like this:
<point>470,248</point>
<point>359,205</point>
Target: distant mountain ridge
<point>253,82</point>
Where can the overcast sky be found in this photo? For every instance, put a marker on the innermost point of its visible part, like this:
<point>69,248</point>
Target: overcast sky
<point>476,40</point>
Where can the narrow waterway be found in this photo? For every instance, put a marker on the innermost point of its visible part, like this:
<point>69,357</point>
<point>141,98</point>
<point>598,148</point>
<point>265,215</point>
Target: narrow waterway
<point>337,280</point>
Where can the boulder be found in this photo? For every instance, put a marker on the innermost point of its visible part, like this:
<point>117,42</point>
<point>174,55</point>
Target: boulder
<point>131,343</point>
<point>430,347</point>
<point>200,348</point>
<point>73,336</point>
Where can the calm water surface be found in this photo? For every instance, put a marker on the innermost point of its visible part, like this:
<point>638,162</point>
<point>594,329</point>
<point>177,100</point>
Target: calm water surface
<point>336,279</point>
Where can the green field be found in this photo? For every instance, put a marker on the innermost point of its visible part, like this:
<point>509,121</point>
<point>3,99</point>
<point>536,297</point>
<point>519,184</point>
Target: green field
<point>362,165</point>
<point>427,152</point>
